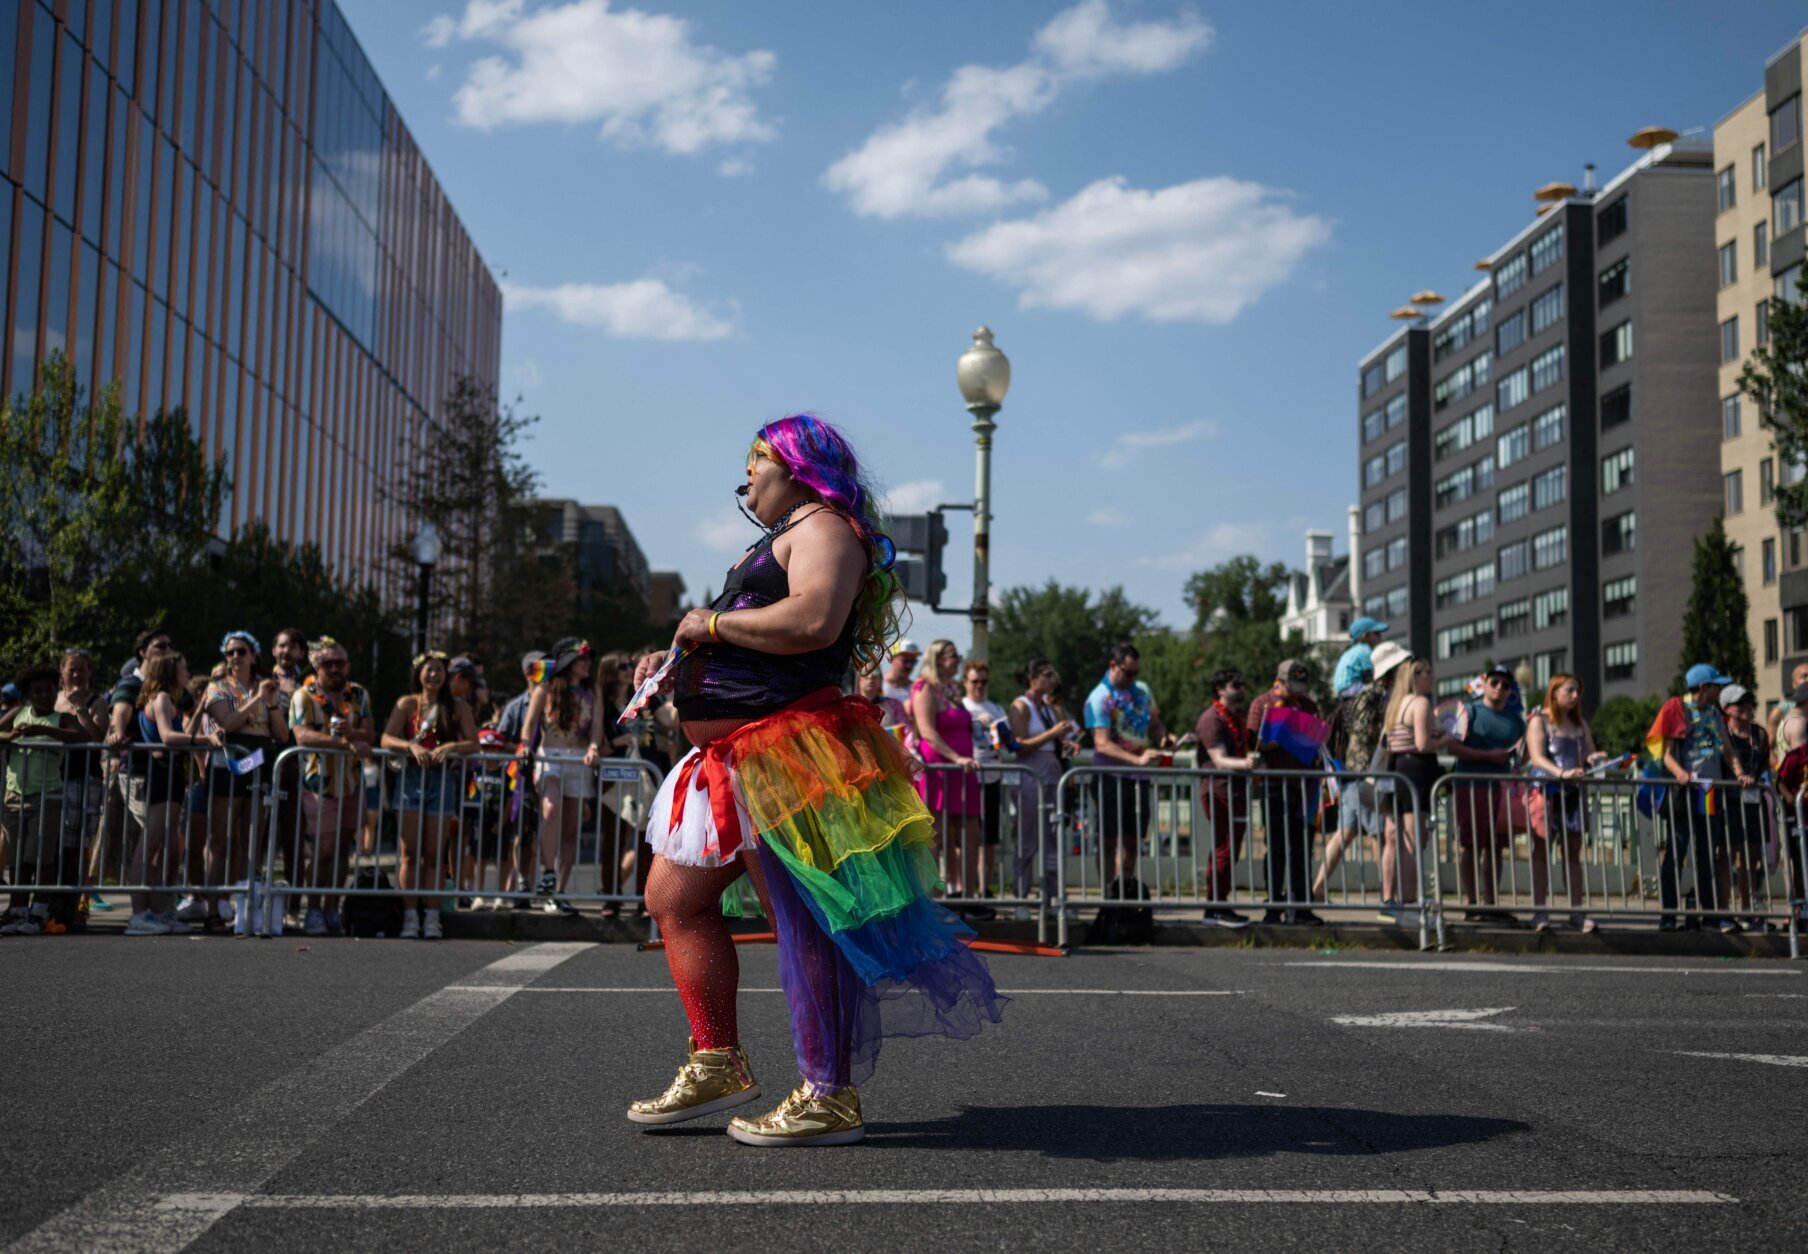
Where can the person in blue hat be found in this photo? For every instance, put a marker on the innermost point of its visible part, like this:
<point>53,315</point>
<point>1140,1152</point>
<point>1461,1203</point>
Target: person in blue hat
<point>1697,754</point>
<point>1357,665</point>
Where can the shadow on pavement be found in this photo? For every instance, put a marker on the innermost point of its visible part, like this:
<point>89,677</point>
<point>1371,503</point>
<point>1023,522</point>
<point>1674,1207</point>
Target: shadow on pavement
<point>1163,1133</point>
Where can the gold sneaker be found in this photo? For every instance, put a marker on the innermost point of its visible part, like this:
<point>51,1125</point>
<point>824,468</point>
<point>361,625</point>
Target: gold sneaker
<point>712,1080</point>
<point>803,1119</point>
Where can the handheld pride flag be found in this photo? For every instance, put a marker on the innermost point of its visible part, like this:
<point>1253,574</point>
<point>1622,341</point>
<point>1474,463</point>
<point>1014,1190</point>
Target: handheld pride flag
<point>1301,734</point>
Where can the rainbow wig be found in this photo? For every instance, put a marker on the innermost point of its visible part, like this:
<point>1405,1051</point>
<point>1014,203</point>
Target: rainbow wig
<point>821,459</point>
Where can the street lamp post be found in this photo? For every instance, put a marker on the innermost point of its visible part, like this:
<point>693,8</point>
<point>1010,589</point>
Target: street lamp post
<point>426,547</point>
<point>984,375</point>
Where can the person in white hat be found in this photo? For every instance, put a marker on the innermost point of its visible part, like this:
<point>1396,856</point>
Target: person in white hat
<point>1359,720</point>
<point>904,655</point>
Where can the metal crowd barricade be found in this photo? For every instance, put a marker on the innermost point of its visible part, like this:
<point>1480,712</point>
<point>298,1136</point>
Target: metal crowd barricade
<point>167,826</point>
<point>477,828</point>
<point>996,842</point>
<point>1224,841</point>
<point>1624,848</point>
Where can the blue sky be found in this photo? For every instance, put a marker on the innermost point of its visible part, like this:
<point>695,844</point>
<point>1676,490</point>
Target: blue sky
<point>1183,224</point>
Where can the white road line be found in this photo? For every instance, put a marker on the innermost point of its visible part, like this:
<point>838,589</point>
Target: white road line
<point>206,1203</point>
<point>238,1151</point>
<point>1008,992</point>
<point>1462,1019</point>
<point>1527,969</point>
<point>1775,1060</point>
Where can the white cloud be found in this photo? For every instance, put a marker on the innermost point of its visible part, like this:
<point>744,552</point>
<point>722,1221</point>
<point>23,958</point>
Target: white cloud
<point>724,532</point>
<point>529,375</point>
<point>1108,518</point>
<point>918,166</point>
<point>1129,444</point>
<point>433,72</point>
<point>642,309</point>
<point>1219,542</point>
<point>1193,252</point>
<point>639,76</point>
<point>734,167</point>
<point>915,497</point>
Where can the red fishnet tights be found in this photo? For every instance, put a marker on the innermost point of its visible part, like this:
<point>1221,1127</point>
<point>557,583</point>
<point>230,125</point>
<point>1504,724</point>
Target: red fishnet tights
<point>687,902</point>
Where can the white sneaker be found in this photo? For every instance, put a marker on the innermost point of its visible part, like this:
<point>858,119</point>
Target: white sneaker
<point>191,909</point>
<point>146,924</point>
<point>411,925</point>
<point>173,925</point>
<point>315,922</point>
<point>430,928</point>
<point>226,910</point>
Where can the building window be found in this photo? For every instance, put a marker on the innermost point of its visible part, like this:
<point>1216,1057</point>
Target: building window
<point>1767,481</point>
<point>1767,561</point>
<point>1550,609</point>
<point>1798,630</point>
<point>1550,487</point>
<point>1396,553</point>
<point>1396,604</point>
<point>1728,189</point>
<point>1620,533</point>
<point>1461,536</point>
<point>1546,249</point>
<point>1761,316</point>
<point>1515,618</point>
<point>1547,367</point>
<point>1760,245</point>
<point>1737,552</point>
<point>1611,222</point>
<point>1770,641</point>
<point>1616,407</point>
<point>1616,281</point>
<point>1514,445</point>
<point>1550,548</point>
<point>1546,665</point>
<point>1460,330</point>
<point>1371,381</point>
<point>1616,345</point>
<point>1547,428</point>
<point>1620,661</point>
<point>1395,365</point>
<point>1512,503</point>
<point>1735,492</point>
<point>1510,334</point>
<point>1371,425</point>
<point>1457,486</point>
<point>1372,519</point>
<point>1512,390</point>
<point>1374,563</point>
<point>1786,208</point>
<point>1547,309</point>
<point>1729,417</point>
<point>1729,263</point>
<point>1396,458</point>
<point>1396,411</point>
<point>1509,277</point>
<point>1461,381</point>
<point>1464,432</point>
<point>1375,606</point>
<point>1396,505</point>
<point>1466,638</point>
<point>1760,168</point>
<point>1787,286</point>
<point>1619,597</point>
<point>1786,123</point>
<point>1616,470</point>
<point>1374,470</point>
<point>1729,339</point>
<point>1512,560</point>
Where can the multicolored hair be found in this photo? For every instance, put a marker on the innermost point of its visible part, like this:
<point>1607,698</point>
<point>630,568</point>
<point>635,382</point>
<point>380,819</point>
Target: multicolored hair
<point>820,458</point>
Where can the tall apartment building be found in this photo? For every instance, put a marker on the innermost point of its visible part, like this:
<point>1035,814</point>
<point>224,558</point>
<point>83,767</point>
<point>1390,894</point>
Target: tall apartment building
<point>608,559</point>
<point>1535,463</point>
<point>1758,257</point>
<point>215,204</point>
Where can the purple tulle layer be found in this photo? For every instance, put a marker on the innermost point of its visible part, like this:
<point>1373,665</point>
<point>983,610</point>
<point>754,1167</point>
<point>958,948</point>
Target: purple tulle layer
<point>926,981</point>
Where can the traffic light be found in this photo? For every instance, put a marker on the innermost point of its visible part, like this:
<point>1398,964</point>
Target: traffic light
<point>920,540</point>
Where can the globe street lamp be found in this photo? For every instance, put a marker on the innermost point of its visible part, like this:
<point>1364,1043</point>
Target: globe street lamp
<point>426,547</point>
<point>984,375</point>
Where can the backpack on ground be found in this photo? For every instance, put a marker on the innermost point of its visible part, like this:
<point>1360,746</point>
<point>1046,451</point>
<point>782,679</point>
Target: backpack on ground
<point>1123,924</point>
<point>379,914</point>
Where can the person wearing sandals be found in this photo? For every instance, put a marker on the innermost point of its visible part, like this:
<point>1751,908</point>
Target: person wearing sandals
<point>1414,741</point>
<point>430,726</point>
<point>565,720</point>
<point>160,725</point>
<point>1560,746</point>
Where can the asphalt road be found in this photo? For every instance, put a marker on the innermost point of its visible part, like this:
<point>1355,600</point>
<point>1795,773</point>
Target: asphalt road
<point>295,1094</point>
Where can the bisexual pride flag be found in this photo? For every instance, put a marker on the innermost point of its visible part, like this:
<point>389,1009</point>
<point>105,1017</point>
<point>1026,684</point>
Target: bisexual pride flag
<point>1301,734</point>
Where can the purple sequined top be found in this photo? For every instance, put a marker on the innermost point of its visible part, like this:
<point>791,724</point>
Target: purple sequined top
<point>732,681</point>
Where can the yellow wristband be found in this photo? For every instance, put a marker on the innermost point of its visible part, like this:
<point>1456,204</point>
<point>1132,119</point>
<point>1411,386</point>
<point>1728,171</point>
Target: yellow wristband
<point>712,625</point>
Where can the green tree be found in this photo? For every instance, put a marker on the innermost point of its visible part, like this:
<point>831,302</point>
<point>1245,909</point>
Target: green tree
<point>100,514</point>
<point>1714,625</point>
<point>1621,723</point>
<point>1237,609</point>
<point>1068,626</point>
<point>1775,377</point>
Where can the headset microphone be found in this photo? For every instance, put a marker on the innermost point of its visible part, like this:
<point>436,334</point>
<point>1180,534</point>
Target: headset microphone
<point>741,491</point>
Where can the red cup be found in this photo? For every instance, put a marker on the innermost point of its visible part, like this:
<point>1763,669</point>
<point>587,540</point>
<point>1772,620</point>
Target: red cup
<point>1166,759</point>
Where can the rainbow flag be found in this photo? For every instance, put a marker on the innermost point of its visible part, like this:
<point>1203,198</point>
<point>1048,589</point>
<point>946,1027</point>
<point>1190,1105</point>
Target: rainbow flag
<point>1301,734</point>
<point>1672,723</point>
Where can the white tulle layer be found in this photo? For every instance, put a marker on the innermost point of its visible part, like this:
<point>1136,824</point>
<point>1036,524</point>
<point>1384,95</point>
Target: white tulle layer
<point>694,841</point>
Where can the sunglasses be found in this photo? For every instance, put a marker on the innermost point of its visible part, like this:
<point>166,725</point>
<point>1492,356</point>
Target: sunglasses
<point>1497,679</point>
<point>238,653</point>
<point>332,662</point>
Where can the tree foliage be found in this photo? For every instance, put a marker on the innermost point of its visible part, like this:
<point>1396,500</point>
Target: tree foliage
<point>1621,723</point>
<point>1714,625</point>
<point>1776,378</point>
<point>1070,627</point>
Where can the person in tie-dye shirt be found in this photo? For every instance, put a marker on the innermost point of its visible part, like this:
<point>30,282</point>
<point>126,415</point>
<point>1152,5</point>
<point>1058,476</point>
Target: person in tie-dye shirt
<point>1124,721</point>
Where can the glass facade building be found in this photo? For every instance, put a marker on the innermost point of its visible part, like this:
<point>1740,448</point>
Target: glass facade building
<point>215,204</point>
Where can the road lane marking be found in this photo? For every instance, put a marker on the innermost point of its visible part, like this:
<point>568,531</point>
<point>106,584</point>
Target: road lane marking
<point>1465,1020</point>
<point>1526,969</point>
<point>1008,992</point>
<point>242,1148</point>
<point>1775,1060</point>
<point>206,1203</point>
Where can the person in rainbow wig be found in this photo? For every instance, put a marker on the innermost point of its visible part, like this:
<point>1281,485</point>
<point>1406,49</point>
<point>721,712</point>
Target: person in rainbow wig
<point>797,786</point>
